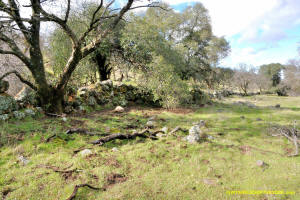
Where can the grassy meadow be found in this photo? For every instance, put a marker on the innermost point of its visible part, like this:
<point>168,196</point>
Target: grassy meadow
<point>168,168</point>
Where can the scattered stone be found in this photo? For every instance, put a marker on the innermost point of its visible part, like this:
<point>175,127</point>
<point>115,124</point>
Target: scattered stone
<point>82,108</point>
<point>258,119</point>
<point>201,123</point>
<point>209,181</point>
<point>23,160</point>
<point>161,135</point>
<point>210,137</point>
<point>68,109</point>
<point>29,112</point>
<point>277,106</point>
<point>245,103</point>
<point>39,109</point>
<point>153,118</point>
<point>195,134</point>
<point>261,163</point>
<point>4,85</point>
<point>115,149</point>
<point>165,130</point>
<point>150,124</point>
<point>119,109</point>
<point>4,117</point>
<point>85,152</point>
<point>19,115</point>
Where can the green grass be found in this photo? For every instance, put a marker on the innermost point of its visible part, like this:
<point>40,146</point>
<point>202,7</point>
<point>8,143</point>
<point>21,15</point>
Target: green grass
<point>168,168</point>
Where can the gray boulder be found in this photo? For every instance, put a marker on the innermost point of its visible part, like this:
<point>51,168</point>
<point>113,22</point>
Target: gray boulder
<point>19,115</point>
<point>23,160</point>
<point>30,112</point>
<point>4,85</point>
<point>86,152</point>
<point>4,117</point>
<point>195,133</point>
<point>7,104</point>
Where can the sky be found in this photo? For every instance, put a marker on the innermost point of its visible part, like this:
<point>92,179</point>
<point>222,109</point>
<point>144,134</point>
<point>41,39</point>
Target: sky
<point>259,31</point>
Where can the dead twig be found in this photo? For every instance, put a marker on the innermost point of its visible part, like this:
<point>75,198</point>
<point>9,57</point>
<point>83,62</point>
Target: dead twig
<point>73,195</point>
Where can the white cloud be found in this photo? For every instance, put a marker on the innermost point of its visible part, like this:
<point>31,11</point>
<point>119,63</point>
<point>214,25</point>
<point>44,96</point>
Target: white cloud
<point>249,17</point>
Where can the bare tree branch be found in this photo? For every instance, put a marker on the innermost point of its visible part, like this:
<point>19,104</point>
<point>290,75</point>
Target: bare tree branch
<point>62,23</point>
<point>20,77</point>
<point>15,49</point>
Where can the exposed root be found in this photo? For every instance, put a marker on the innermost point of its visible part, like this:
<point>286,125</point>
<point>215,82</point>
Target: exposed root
<point>65,172</point>
<point>73,195</point>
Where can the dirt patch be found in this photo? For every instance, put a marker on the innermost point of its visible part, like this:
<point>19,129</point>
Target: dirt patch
<point>111,161</point>
<point>112,179</point>
<point>75,122</point>
<point>245,149</point>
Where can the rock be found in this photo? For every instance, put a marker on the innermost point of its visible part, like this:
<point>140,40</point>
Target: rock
<point>277,106</point>
<point>210,137</point>
<point>195,134</point>
<point>245,103</point>
<point>82,108</point>
<point>119,109</point>
<point>85,152</point>
<point>4,117</point>
<point>150,124</point>
<point>64,119</point>
<point>30,112</point>
<point>23,160</point>
<point>115,149</point>
<point>7,104</point>
<point>4,85</point>
<point>106,85</point>
<point>19,115</point>
<point>39,109</point>
<point>165,130</point>
<point>242,117</point>
<point>26,96</point>
<point>92,101</point>
<point>68,109</point>
<point>209,181</point>
<point>261,163</point>
<point>152,118</point>
<point>258,119</point>
<point>161,135</point>
<point>201,123</point>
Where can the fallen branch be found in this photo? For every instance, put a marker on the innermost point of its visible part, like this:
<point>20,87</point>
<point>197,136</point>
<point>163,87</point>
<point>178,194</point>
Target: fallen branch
<point>56,169</point>
<point>73,195</point>
<point>144,134</point>
<point>83,131</point>
<point>51,137</point>
<point>290,134</point>
<point>177,128</point>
